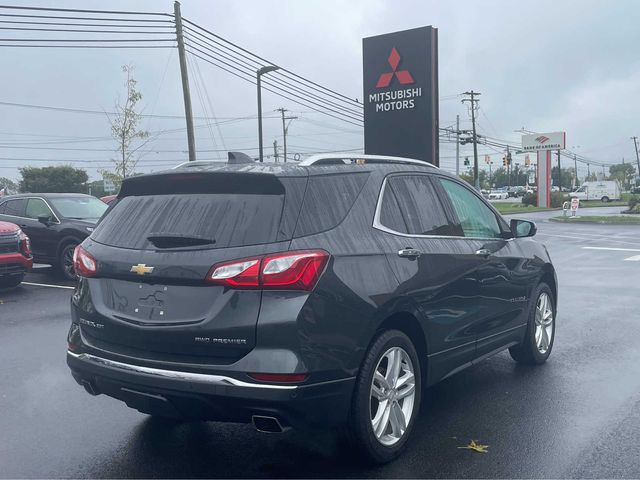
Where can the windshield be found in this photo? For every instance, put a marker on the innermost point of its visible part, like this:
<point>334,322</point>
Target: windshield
<point>80,208</point>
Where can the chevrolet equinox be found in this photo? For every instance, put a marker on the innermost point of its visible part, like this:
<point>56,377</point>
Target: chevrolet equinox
<point>322,294</point>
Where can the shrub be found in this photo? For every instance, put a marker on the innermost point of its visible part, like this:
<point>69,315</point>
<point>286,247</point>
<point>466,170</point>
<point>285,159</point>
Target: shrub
<point>557,199</point>
<point>530,199</point>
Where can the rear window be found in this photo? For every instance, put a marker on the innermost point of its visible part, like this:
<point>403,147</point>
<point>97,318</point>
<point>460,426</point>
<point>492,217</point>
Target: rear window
<point>228,219</point>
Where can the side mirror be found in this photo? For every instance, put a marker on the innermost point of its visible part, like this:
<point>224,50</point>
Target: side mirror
<point>44,219</point>
<point>522,228</point>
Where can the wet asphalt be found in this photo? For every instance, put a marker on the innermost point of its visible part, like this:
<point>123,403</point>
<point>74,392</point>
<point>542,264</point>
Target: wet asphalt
<point>576,416</point>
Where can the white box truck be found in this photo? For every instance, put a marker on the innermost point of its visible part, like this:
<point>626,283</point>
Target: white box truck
<point>605,191</point>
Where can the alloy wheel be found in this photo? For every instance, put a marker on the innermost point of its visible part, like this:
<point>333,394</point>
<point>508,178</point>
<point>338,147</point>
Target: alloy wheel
<point>392,396</point>
<point>544,323</point>
<point>67,262</point>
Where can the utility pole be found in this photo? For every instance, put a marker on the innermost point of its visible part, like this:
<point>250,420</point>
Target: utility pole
<point>473,101</point>
<point>559,174</point>
<point>275,150</point>
<point>575,169</point>
<point>285,129</point>
<point>261,71</point>
<point>635,144</point>
<point>588,170</point>
<point>508,167</point>
<point>188,113</point>
<point>457,145</point>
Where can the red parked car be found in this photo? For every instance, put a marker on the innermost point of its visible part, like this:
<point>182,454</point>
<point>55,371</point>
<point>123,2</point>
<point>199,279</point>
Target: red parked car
<point>108,199</point>
<point>15,255</point>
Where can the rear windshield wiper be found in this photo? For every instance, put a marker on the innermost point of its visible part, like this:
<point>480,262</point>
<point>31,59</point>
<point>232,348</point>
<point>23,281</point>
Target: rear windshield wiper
<point>176,240</point>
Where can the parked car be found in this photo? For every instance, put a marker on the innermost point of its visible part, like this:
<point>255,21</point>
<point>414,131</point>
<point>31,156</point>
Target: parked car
<point>599,190</point>
<point>15,255</point>
<point>498,195</point>
<point>108,199</point>
<point>322,294</point>
<point>55,223</point>
<point>516,192</point>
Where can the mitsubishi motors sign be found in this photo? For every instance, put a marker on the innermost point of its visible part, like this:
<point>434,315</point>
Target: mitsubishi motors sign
<point>544,141</point>
<point>401,94</point>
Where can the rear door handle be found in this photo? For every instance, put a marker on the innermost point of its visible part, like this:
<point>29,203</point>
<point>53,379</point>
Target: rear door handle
<point>483,252</point>
<point>409,253</point>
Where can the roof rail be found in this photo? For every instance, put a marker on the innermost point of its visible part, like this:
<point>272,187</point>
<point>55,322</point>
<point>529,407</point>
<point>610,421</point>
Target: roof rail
<point>199,163</point>
<point>351,158</point>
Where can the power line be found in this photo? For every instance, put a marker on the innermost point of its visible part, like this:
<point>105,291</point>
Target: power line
<point>272,91</point>
<point>250,77</point>
<point>273,79</point>
<point>76,10</point>
<point>281,71</point>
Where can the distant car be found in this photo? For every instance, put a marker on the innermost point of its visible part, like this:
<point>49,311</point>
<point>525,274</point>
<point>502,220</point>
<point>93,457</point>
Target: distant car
<point>498,195</point>
<point>108,199</point>
<point>55,223</point>
<point>515,192</point>
<point>15,255</point>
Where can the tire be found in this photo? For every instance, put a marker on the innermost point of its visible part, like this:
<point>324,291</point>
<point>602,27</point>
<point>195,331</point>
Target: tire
<point>604,199</point>
<point>11,281</point>
<point>64,267</point>
<point>538,340</point>
<point>366,408</point>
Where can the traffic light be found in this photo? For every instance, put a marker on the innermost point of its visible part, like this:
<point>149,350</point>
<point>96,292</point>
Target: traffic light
<point>466,161</point>
<point>504,161</point>
<point>508,158</point>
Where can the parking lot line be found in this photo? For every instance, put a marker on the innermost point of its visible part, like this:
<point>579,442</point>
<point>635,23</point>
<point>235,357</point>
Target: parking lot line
<point>635,258</point>
<point>47,285</point>
<point>615,249</point>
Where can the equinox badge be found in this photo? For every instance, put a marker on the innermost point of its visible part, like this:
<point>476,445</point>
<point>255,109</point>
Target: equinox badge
<point>141,269</point>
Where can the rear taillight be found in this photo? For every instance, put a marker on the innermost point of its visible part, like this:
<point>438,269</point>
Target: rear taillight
<point>299,270</point>
<point>243,273</point>
<point>83,263</point>
<point>25,245</point>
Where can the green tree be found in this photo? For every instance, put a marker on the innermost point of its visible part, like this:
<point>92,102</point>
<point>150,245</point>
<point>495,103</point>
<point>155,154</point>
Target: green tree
<point>623,172</point>
<point>125,130</point>
<point>60,179</point>
<point>9,185</point>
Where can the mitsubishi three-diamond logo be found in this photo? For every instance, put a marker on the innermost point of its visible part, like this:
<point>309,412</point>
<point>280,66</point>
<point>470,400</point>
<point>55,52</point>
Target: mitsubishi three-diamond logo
<point>403,76</point>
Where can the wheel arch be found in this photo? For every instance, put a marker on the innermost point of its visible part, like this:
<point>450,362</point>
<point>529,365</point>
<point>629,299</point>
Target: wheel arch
<point>549,278</point>
<point>408,324</point>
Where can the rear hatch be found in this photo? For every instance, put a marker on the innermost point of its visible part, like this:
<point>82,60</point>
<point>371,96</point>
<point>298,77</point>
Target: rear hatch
<point>154,248</point>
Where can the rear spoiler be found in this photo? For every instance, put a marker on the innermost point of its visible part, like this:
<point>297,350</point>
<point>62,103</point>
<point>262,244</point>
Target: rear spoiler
<point>195,182</point>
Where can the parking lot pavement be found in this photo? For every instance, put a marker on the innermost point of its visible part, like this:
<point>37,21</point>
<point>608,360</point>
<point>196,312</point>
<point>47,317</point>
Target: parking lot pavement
<point>576,416</point>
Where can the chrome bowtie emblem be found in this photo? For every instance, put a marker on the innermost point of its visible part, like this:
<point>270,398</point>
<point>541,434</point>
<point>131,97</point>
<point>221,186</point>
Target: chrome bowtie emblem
<point>141,269</point>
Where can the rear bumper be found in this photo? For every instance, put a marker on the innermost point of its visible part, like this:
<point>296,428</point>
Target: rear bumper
<point>187,395</point>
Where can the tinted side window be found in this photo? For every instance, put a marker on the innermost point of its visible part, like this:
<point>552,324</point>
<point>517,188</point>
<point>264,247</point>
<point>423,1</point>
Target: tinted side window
<point>37,207</point>
<point>328,200</point>
<point>419,206</point>
<point>476,219</point>
<point>15,207</point>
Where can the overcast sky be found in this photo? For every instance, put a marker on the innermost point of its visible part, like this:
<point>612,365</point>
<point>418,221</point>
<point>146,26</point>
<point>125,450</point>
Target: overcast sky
<point>541,65</point>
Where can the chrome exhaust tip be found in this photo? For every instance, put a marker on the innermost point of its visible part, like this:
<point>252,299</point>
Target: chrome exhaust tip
<point>266,424</point>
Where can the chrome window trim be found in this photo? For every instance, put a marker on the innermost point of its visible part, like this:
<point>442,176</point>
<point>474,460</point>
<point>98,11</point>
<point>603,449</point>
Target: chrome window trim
<point>174,374</point>
<point>57,222</point>
<point>378,226</point>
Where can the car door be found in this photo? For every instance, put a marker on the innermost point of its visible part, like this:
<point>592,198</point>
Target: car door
<point>501,276</point>
<point>12,210</point>
<point>421,245</point>
<point>43,237</point>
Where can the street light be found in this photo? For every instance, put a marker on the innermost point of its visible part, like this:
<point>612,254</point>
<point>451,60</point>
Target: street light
<point>259,73</point>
